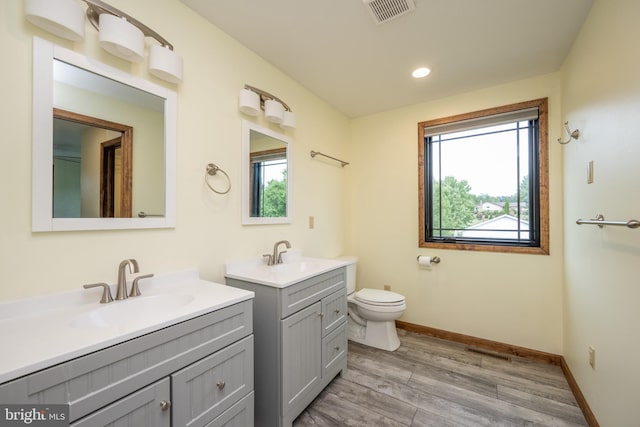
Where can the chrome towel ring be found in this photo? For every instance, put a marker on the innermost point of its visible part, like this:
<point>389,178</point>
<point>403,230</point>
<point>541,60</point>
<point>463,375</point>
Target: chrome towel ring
<point>211,171</point>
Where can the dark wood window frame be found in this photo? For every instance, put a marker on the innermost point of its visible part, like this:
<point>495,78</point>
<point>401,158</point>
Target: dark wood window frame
<point>254,193</point>
<point>543,180</point>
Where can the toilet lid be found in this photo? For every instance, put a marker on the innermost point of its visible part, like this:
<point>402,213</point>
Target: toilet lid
<point>379,297</point>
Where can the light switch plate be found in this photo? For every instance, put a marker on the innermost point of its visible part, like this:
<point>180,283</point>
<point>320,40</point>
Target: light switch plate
<point>590,172</point>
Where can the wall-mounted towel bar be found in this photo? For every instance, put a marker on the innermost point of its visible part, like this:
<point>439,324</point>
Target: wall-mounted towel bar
<point>600,222</point>
<point>317,153</point>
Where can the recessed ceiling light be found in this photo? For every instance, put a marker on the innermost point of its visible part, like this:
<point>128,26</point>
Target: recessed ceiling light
<point>418,73</point>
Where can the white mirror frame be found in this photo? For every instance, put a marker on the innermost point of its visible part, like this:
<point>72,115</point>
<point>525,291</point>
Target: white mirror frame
<point>42,218</point>
<point>247,219</point>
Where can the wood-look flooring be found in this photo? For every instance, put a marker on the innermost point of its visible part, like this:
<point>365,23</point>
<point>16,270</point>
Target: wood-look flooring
<point>432,382</point>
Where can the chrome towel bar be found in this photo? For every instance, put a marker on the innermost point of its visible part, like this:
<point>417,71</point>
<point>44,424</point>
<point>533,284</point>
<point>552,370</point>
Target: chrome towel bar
<point>317,153</point>
<point>600,222</point>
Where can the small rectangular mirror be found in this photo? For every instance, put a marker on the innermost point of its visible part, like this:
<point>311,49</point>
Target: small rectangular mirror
<point>266,175</point>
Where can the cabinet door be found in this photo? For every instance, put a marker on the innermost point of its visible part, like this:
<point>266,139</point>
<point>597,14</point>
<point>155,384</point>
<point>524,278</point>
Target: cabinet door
<point>334,311</point>
<point>301,355</point>
<point>148,407</point>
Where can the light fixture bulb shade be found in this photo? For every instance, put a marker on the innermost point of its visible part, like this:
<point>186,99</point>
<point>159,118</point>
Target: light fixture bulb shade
<point>64,18</point>
<point>249,102</point>
<point>288,120</point>
<point>273,111</point>
<point>121,38</point>
<point>165,64</point>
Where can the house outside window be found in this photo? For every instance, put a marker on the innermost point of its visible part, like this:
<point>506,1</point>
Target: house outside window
<point>484,180</point>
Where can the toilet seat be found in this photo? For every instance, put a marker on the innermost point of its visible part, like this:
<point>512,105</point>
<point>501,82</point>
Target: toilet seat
<point>377,297</point>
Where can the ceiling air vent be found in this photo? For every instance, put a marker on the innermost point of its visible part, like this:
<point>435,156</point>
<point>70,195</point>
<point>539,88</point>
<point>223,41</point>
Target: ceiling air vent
<point>386,10</point>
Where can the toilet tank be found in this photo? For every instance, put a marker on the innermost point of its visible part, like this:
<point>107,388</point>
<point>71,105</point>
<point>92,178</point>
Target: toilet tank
<point>352,264</point>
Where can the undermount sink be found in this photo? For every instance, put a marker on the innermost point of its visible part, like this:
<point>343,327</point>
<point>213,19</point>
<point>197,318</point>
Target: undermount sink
<point>134,309</point>
<point>299,266</point>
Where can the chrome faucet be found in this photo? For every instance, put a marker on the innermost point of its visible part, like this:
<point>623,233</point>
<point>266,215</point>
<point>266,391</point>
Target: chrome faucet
<point>276,258</point>
<point>121,292</point>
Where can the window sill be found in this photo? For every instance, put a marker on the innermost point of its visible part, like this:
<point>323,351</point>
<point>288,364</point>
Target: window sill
<point>486,248</point>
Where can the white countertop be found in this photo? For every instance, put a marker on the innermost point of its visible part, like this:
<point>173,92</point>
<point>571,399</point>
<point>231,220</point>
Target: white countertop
<point>43,331</point>
<point>294,269</point>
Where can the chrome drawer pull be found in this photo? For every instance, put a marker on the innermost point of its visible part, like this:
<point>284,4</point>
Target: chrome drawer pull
<point>165,405</point>
<point>221,384</point>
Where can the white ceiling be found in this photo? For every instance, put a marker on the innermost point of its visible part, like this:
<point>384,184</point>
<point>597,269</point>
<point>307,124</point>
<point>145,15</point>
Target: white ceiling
<point>334,48</point>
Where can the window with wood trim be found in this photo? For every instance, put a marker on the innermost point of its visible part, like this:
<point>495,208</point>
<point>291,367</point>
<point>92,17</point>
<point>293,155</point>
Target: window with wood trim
<point>484,180</point>
<point>268,183</point>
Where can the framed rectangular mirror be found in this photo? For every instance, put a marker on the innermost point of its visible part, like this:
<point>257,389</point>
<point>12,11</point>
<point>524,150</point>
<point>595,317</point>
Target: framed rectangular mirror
<point>104,145</point>
<point>266,175</point>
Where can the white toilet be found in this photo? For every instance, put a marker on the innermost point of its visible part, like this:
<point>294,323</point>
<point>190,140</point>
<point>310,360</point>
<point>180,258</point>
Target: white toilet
<point>372,313</point>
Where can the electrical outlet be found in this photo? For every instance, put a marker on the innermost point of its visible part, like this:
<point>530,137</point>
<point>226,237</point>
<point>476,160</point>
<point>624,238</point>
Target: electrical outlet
<point>387,287</point>
<point>592,357</point>
<point>311,221</point>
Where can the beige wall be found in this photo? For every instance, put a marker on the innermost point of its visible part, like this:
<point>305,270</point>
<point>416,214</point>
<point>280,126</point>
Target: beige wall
<point>510,298</point>
<point>601,97</point>
<point>208,227</point>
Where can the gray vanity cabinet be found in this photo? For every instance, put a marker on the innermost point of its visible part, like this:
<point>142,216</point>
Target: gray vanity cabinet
<point>300,343</point>
<point>198,372</point>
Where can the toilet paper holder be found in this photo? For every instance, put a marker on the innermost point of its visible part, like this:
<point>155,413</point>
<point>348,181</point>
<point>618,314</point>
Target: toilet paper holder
<point>434,260</point>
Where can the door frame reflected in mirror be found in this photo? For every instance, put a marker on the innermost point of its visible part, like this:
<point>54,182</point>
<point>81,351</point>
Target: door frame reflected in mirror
<point>113,198</point>
<point>247,219</point>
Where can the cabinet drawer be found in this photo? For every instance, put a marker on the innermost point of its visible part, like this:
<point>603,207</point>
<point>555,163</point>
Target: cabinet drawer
<point>207,388</point>
<point>334,311</point>
<point>239,415</point>
<point>334,351</point>
<point>141,409</point>
<point>93,381</point>
<point>307,292</point>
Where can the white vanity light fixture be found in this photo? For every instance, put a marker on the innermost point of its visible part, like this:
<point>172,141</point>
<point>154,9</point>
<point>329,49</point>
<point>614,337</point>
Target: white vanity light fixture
<point>288,120</point>
<point>119,34</point>
<point>64,18</point>
<point>165,64</point>
<point>121,38</point>
<point>251,100</point>
<point>273,111</point>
